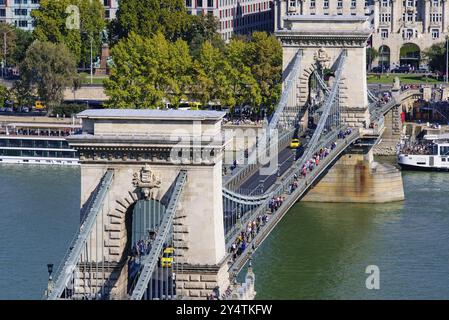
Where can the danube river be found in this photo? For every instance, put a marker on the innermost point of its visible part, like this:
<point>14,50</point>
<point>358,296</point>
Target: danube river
<point>319,251</point>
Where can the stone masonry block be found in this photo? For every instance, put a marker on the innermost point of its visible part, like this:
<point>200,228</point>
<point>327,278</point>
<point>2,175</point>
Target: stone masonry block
<point>195,277</point>
<point>194,285</point>
<point>209,277</point>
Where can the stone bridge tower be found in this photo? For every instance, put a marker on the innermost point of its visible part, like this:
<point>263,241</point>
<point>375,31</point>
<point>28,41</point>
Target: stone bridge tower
<point>321,40</point>
<point>159,143</point>
<point>355,177</point>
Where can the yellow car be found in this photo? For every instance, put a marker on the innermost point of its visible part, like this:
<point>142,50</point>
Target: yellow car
<point>167,257</point>
<point>295,143</point>
<point>39,105</point>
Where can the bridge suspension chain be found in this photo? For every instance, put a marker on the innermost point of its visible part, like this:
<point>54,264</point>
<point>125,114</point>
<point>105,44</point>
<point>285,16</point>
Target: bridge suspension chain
<point>291,80</point>
<point>321,82</point>
<point>74,255</point>
<point>150,261</point>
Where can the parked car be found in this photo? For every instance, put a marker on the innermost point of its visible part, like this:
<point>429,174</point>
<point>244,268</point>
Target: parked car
<point>379,69</point>
<point>24,109</point>
<point>401,69</point>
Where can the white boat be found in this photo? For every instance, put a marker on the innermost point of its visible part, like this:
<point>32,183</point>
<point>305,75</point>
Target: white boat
<point>31,144</point>
<point>433,156</point>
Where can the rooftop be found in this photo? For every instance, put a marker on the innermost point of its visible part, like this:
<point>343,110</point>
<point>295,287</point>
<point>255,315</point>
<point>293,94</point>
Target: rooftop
<point>150,114</point>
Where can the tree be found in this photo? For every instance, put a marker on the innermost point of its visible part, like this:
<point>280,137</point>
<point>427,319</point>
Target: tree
<point>203,28</point>
<point>55,22</point>
<point>211,81</point>
<point>17,42</point>
<point>21,92</point>
<point>371,55</point>
<point>180,68</point>
<point>48,68</point>
<point>4,95</point>
<point>7,32</point>
<point>265,59</point>
<point>169,17</point>
<point>147,72</point>
<point>436,56</point>
<point>244,86</point>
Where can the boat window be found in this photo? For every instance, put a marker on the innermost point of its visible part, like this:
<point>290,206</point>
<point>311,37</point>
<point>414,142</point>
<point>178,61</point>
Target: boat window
<point>27,143</point>
<point>435,149</point>
<point>444,150</point>
<point>443,159</point>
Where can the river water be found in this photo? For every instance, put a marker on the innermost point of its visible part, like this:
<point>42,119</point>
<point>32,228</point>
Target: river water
<point>318,251</point>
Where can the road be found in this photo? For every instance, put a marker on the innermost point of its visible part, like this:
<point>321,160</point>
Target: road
<point>258,183</point>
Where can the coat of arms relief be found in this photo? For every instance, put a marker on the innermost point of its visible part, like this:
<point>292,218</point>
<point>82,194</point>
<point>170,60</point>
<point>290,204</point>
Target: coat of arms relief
<point>322,58</point>
<point>148,183</point>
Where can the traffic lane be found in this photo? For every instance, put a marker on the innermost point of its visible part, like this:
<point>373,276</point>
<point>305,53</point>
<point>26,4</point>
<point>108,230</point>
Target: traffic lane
<point>285,159</point>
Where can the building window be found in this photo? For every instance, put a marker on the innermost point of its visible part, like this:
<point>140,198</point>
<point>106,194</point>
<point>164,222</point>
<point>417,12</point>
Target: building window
<point>384,33</point>
<point>353,4</point>
<point>326,4</point>
<point>385,17</point>
<point>435,33</point>
<point>385,3</point>
<point>339,4</point>
<point>312,4</point>
<point>408,34</point>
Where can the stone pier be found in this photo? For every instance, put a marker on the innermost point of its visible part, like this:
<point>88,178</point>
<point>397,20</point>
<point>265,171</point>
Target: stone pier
<point>358,178</point>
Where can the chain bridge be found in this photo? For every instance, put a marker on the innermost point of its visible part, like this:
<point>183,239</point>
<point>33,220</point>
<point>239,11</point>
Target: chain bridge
<point>159,220</point>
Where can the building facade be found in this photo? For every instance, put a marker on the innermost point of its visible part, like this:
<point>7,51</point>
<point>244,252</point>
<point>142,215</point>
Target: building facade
<point>18,12</point>
<point>402,29</point>
<point>236,16</point>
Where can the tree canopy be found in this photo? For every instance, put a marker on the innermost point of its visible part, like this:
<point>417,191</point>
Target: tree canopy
<point>148,17</point>
<point>48,68</point>
<point>436,56</point>
<point>150,72</point>
<point>58,21</point>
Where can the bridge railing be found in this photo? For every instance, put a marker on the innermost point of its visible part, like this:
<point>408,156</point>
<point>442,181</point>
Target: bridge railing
<point>72,257</point>
<point>150,261</point>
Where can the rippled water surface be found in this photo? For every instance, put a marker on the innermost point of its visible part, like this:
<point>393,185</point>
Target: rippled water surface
<point>319,251</point>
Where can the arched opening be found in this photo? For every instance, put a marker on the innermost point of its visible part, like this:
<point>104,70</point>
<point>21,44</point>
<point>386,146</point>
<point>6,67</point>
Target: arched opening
<point>384,57</point>
<point>142,222</point>
<point>410,55</point>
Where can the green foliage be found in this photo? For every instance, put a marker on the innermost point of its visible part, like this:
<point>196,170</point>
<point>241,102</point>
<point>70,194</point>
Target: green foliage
<point>152,71</point>
<point>371,55</point>
<point>68,110</point>
<point>148,17</point>
<point>436,56</point>
<point>22,93</point>
<point>48,68</point>
<point>4,95</point>
<point>17,42</point>
<point>145,69</point>
<point>203,28</point>
<point>265,56</point>
<point>51,25</point>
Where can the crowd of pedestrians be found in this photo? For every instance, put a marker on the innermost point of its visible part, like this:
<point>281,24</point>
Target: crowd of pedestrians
<point>243,121</point>
<point>417,148</point>
<point>246,236</point>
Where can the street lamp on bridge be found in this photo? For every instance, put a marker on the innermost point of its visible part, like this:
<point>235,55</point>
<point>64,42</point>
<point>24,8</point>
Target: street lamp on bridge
<point>50,279</point>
